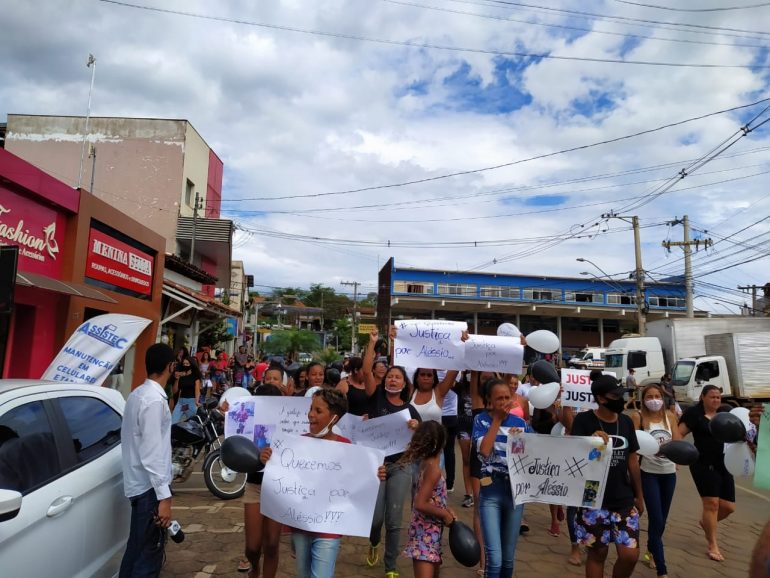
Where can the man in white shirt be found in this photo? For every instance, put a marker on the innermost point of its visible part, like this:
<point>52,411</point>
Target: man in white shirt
<point>146,440</point>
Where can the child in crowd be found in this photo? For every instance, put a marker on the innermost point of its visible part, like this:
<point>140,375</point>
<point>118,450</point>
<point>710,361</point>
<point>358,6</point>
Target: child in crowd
<point>430,513</point>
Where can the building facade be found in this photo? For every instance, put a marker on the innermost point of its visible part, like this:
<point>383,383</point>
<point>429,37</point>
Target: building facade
<point>581,311</point>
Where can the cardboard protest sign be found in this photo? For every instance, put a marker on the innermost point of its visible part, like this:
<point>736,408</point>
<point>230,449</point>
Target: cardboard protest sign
<point>762,467</point>
<point>494,353</point>
<point>433,344</point>
<point>570,471</point>
<point>577,389</point>
<point>92,352</point>
<point>389,434</point>
<point>287,415</point>
<point>321,486</point>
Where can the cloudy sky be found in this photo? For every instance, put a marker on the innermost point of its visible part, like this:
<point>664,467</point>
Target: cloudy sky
<point>442,117</point>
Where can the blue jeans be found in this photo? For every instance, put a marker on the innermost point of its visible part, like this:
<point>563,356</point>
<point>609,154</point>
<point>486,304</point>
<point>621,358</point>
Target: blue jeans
<point>500,524</point>
<point>571,513</point>
<point>316,556</point>
<point>146,541</point>
<point>179,413</point>
<point>658,494</point>
<point>389,509</point>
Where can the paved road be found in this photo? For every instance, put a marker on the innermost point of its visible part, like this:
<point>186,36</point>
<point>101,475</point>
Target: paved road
<point>214,543</point>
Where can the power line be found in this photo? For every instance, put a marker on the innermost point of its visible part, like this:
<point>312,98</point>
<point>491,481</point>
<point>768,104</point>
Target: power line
<point>423,45</point>
<point>671,9</point>
<point>502,165</point>
<point>575,28</point>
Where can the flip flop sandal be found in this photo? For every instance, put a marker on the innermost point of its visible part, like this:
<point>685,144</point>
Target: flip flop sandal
<point>244,566</point>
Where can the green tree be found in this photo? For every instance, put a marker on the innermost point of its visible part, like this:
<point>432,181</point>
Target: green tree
<point>215,336</point>
<point>291,342</point>
<point>343,332</point>
<point>328,355</point>
<point>334,305</point>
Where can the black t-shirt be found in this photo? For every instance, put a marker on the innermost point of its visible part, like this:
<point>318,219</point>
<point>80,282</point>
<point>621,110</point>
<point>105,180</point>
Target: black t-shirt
<point>256,476</point>
<point>618,493</point>
<point>711,451</point>
<point>187,385</point>
<point>379,406</point>
<point>358,401</point>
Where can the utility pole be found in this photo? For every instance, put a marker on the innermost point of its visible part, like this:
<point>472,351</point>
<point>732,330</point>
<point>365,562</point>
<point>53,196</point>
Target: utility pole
<point>92,154</point>
<point>639,271</point>
<point>687,244</point>
<point>91,63</point>
<point>753,289</point>
<point>194,227</point>
<point>355,285</point>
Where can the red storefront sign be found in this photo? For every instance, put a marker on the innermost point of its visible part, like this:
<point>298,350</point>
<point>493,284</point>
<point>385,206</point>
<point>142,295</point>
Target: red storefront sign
<point>117,263</point>
<point>37,229</point>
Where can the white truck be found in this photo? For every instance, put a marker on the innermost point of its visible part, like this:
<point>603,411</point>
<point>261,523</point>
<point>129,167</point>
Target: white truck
<point>739,363</point>
<point>685,337</point>
<point>642,354</point>
<point>588,358</point>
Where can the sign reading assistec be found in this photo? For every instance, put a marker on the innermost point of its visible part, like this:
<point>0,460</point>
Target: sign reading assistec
<point>118,263</point>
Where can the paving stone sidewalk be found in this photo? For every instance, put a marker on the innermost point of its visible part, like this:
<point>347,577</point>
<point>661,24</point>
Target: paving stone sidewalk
<point>214,542</point>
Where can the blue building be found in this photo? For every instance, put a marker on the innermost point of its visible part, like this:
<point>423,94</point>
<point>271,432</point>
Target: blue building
<point>587,311</point>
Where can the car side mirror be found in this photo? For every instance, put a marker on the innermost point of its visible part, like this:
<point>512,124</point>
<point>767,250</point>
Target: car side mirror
<point>10,504</point>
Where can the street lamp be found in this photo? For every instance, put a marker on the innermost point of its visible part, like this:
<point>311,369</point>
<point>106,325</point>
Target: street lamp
<point>640,304</point>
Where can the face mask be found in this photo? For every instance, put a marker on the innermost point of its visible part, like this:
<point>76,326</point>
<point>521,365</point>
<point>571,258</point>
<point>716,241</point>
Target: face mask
<point>393,390</point>
<point>325,431</point>
<point>654,404</point>
<point>615,405</point>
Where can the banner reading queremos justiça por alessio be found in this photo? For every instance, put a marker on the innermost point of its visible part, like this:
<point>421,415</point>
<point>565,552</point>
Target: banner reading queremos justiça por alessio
<point>95,347</point>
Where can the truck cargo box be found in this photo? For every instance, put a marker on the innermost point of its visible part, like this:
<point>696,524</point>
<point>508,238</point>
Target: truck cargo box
<point>747,356</point>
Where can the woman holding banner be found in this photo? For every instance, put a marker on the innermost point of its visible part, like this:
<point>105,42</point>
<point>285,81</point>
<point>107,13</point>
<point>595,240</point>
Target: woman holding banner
<point>658,472</point>
<point>500,518</point>
<point>390,396</point>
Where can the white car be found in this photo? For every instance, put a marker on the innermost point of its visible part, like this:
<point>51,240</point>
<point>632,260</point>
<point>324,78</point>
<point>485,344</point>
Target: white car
<point>62,508</point>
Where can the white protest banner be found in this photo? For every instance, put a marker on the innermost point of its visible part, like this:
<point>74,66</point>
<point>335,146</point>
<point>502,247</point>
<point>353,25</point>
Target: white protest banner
<point>577,389</point>
<point>92,352</point>
<point>494,353</point>
<point>347,425</point>
<point>571,471</point>
<point>388,433</point>
<point>321,486</point>
<point>279,414</point>
<point>433,344</point>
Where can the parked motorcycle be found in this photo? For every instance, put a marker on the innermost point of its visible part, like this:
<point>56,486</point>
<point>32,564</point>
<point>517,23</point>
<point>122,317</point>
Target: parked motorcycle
<point>199,435</point>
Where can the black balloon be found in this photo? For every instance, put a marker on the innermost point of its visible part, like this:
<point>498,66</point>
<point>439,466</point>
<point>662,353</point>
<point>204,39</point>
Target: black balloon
<point>680,452</point>
<point>727,428</point>
<point>464,545</point>
<point>544,372</point>
<point>240,454</point>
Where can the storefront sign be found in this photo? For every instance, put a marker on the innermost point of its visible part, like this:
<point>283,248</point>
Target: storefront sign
<point>37,229</point>
<point>97,345</point>
<point>117,263</point>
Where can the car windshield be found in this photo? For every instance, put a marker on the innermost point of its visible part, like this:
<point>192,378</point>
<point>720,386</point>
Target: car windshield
<point>614,360</point>
<point>682,372</point>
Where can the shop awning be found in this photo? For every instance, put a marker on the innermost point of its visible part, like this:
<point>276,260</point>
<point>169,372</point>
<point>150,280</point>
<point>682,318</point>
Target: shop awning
<point>190,299</point>
<point>26,279</point>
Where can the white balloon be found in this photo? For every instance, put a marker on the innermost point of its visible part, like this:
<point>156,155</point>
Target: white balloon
<point>648,445</point>
<point>312,390</point>
<point>743,414</point>
<point>544,395</point>
<point>739,460</point>
<point>232,394</point>
<point>508,330</point>
<point>558,430</point>
<point>543,341</point>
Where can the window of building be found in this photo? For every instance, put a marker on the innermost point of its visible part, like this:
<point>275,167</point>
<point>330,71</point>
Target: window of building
<point>189,193</point>
<point>541,295</point>
<point>666,302</point>
<point>29,457</point>
<point>457,289</point>
<point>500,291</point>
<point>412,287</point>
<point>94,426</point>
<point>583,297</point>
<point>620,299</point>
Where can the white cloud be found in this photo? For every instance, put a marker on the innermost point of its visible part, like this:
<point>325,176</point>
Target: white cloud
<point>293,113</point>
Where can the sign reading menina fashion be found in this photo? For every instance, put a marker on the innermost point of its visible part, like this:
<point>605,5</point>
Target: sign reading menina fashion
<point>118,263</point>
<point>570,471</point>
<point>92,352</point>
<point>37,229</point>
